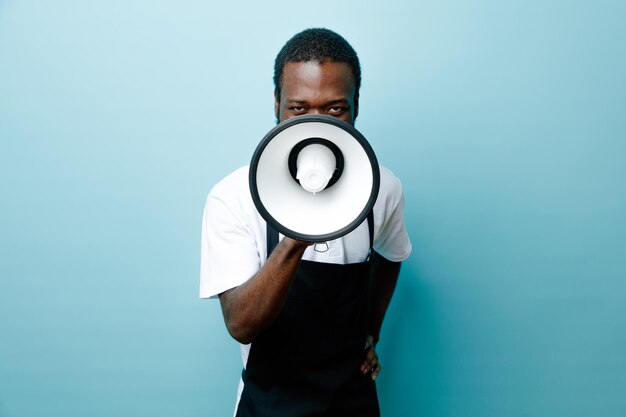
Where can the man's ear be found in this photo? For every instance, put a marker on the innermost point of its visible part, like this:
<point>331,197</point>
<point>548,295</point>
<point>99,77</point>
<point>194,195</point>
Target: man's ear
<point>276,104</point>
<point>356,107</point>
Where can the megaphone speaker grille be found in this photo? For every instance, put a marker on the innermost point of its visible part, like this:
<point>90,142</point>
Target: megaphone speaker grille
<point>295,153</point>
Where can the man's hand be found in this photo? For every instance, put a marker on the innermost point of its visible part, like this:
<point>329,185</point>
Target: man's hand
<point>370,363</point>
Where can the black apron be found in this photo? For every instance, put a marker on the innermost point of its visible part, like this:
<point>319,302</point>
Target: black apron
<point>307,362</point>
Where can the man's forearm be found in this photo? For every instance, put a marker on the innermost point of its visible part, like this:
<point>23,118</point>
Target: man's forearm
<point>252,306</point>
<point>384,277</point>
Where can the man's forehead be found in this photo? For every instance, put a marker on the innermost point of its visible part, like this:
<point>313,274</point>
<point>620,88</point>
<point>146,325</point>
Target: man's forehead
<point>324,62</point>
<point>312,74</point>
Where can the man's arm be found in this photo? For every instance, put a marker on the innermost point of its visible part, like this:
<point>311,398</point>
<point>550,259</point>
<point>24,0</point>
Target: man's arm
<point>254,305</point>
<point>384,277</point>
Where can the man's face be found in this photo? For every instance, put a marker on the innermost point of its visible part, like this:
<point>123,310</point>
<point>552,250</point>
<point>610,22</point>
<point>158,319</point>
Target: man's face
<point>314,88</point>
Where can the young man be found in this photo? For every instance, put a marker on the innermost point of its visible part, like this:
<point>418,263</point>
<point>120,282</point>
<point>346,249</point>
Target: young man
<point>308,321</point>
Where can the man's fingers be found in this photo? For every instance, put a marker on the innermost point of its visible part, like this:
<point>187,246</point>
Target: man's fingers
<point>370,363</point>
<point>370,360</point>
<point>375,372</point>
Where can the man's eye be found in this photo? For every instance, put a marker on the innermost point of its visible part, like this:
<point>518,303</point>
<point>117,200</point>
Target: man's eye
<point>296,109</point>
<point>335,110</point>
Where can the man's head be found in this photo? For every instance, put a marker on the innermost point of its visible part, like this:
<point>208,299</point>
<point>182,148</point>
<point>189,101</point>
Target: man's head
<point>317,72</point>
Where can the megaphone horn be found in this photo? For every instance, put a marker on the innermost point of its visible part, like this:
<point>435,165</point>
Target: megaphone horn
<point>314,178</point>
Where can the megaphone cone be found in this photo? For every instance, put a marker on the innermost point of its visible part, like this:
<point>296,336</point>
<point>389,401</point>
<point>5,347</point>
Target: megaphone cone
<point>314,178</point>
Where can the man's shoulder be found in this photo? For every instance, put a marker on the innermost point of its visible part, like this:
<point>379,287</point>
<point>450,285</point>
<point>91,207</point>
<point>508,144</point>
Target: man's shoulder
<point>390,185</point>
<point>233,192</point>
<point>233,185</point>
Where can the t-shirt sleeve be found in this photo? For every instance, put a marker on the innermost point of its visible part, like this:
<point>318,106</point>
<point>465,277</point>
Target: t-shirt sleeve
<point>229,254</point>
<point>392,240</point>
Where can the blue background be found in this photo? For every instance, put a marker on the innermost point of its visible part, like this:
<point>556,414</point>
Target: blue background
<point>504,120</point>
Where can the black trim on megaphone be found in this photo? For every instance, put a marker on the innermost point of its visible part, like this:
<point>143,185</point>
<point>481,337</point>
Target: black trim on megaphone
<point>252,177</point>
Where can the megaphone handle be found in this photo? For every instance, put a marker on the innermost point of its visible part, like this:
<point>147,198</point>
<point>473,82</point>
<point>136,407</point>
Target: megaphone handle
<point>321,243</point>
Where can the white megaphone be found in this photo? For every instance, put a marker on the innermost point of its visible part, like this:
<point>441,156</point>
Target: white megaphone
<point>314,178</point>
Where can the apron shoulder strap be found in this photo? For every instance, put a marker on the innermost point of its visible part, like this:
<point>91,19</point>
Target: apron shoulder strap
<point>272,235</point>
<point>370,226</point>
<point>272,239</point>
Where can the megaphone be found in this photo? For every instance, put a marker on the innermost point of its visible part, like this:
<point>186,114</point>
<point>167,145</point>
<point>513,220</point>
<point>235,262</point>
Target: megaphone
<point>314,178</point>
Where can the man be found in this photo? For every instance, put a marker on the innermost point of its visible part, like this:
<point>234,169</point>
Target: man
<point>308,321</point>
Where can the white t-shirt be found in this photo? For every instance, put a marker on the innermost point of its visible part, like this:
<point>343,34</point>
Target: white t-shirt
<point>234,241</point>
<point>233,246</point>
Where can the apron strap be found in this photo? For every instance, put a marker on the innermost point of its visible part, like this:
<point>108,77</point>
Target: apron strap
<point>272,235</point>
<point>370,226</point>
<point>272,239</point>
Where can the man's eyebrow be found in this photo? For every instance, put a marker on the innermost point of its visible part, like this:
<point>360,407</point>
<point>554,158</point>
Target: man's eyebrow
<point>338,101</point>
<point>330,103</point>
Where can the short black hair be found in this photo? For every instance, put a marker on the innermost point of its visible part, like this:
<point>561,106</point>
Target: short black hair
<point>317,45</point>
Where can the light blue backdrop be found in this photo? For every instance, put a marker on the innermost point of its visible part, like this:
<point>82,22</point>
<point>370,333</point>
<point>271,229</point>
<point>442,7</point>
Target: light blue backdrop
<point>504,120</point>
